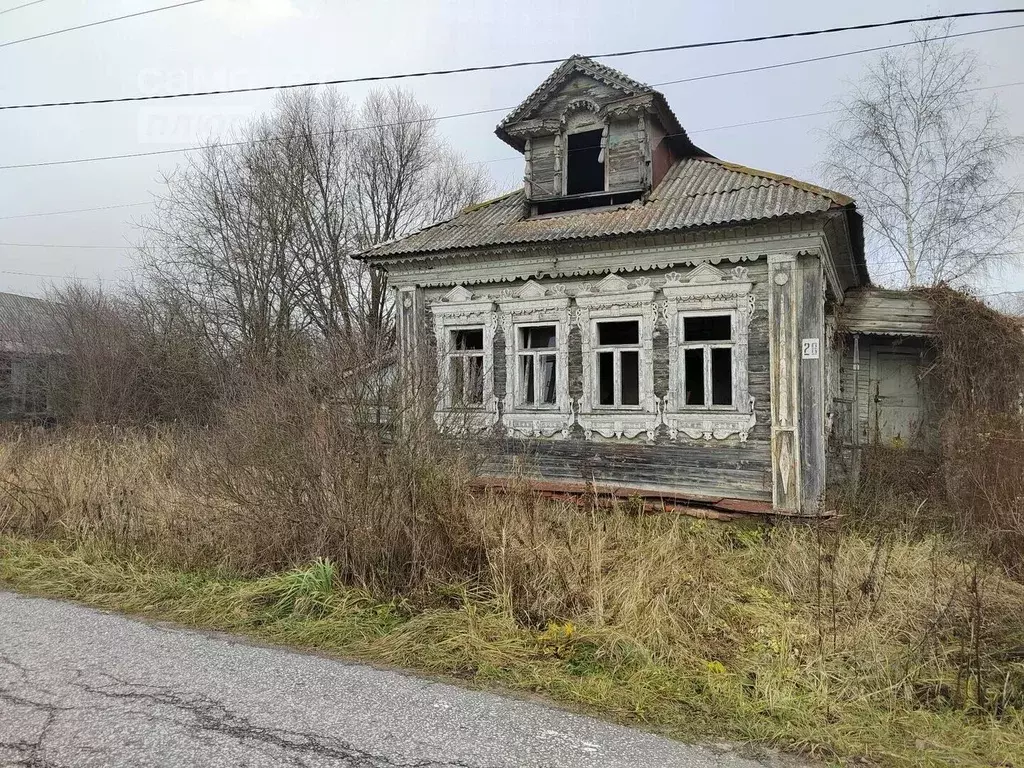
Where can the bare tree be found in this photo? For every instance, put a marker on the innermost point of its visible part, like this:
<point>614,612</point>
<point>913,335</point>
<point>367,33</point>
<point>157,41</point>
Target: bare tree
<point>257,236</point>
<point>924,157</point>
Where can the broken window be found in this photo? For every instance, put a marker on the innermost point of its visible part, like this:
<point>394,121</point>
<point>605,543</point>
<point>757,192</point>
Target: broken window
<point>618,363</point>
<point>707,360</point>
<point>466,367</point>
<point>537,366</point>
<point>584,167</point>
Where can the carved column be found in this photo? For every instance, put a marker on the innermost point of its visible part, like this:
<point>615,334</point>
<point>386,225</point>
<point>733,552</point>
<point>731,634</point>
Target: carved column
<point>409,320</point>
<point>784,378</point>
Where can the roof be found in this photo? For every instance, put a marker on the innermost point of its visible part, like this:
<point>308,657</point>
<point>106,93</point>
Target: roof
<point>696,192</point>
<point>24,324</point>
<point>615,78</point>
<point>887,313</point>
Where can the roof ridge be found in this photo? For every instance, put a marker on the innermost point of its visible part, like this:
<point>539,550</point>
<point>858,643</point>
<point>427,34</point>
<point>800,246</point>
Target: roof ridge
<point>585,63</point>
<point>837,197</point>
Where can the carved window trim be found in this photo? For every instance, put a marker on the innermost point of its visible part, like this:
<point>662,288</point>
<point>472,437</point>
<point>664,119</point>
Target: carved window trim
<point>708,290</point>
<point>614,298</point>
<point>534,305</point>
<point>460,310</point>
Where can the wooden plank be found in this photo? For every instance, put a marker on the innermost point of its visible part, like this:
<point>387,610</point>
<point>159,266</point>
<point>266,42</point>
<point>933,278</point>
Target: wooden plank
<point>783,343</point>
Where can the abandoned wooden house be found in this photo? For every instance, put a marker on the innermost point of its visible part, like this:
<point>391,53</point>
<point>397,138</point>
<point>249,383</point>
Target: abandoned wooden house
<point>25,358</point>
<point>644,317</point>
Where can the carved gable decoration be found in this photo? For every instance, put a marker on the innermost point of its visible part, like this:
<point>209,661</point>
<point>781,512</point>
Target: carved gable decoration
<point>705,273</point>
<point>458,294</point>
<point>612,284</point>
<point>532,290</point>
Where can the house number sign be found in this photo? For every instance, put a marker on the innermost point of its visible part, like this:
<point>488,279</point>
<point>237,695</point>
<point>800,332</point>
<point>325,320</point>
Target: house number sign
<point>811,349</point>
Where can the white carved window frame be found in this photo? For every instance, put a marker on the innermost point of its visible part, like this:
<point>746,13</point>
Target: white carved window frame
<point>708,291</point>
<point>615,299</point>
<point>459,310</point>
<point>580,116</point>
<point>531,307</point>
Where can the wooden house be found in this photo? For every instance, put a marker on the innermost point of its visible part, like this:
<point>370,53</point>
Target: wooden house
<point>25,358</point>
<point>642,316</point>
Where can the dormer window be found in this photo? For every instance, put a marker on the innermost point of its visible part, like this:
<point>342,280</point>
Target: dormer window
<point>584,166</point>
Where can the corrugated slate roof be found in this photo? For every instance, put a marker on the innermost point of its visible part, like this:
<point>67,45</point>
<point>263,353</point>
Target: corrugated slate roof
<point>696,192</point>
<point>24,324</point>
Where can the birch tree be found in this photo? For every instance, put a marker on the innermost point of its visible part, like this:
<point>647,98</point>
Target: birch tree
<point>925,156</point>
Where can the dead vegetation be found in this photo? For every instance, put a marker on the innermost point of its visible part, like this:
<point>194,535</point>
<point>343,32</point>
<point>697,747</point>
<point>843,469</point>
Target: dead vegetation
<point>900,648</point>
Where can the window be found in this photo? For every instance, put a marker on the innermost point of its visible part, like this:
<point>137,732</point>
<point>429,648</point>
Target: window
<point>618,363</point>
<point>466,367</point>
<point>707,361</point>
<point>584,167</point>
<point>537,366</point>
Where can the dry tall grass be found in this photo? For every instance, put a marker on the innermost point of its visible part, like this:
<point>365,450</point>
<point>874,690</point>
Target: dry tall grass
<point>808,636</point>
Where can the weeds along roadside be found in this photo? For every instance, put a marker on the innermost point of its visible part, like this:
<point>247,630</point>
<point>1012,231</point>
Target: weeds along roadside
<point>851,641</point>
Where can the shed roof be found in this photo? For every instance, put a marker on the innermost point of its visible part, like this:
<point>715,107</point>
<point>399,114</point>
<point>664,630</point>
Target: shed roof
<point>888,313</point>
<point>696,192</point>
<point>24,324</point>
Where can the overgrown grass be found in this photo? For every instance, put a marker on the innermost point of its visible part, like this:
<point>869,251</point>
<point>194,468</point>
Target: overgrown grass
<point>840,643</point>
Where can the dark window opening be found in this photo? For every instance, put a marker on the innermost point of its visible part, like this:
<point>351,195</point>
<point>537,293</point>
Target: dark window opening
<point>618,332</point>
<point>630,372</point>
<point>561,204</point>
<point>471,338</point>
<point>537,337</point>
<point>693,367</point>
<point>584,169</point>
<point>707,328</point>
<point>721,376</point>
<point>606,378</point>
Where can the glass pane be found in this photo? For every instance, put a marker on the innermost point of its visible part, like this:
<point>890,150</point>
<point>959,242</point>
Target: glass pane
<point>618,332</point>
<point>693,376</point>
<point>475,380</point>
<point>606,378</point>
<point>526,379</point>
<point>468,338</point>
<point>538,337</point>
<point>721,376</point>
<point>547,379</point>
<point>711,328</point>
<point>458,380</point>
<point>630,363</point>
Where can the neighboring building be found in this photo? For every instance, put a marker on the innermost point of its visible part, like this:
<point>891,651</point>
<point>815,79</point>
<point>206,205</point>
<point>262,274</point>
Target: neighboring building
<point>25,358</point>
<point>641,315</point>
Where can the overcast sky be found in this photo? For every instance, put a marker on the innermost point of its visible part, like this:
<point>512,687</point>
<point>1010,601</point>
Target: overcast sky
<point>232,43</point>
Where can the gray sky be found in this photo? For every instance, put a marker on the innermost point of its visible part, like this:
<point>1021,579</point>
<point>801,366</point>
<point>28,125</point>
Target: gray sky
<point>232,43</point>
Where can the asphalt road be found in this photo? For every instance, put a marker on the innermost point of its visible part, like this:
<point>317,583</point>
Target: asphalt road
<point>81,688</point>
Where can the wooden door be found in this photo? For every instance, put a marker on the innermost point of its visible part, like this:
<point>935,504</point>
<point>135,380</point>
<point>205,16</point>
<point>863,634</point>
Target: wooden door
<point>896,401</point>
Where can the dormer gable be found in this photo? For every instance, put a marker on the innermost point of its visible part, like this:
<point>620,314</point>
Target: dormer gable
<point>590,136</point>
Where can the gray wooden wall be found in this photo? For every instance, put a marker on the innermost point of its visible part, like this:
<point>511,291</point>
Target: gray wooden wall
<point>728,467</point>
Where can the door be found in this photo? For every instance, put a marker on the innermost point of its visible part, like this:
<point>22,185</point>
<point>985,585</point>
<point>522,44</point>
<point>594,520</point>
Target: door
<point>896,401</point>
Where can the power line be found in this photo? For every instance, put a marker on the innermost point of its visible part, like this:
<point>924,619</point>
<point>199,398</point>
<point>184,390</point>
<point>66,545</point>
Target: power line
<point>507,65</point>
<point>157,152</point>
<point>74,210</point>
<point>23,5</point>
<point>835,55</point>
<point>95,23</point>
<point>60,245</point>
